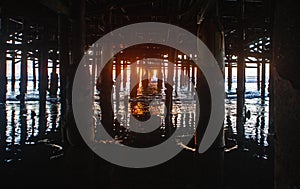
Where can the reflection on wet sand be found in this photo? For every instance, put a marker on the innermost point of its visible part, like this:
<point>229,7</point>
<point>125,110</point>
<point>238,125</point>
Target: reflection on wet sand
<point>32,150</point>
<point>254,162</point>
<point>26,129</point>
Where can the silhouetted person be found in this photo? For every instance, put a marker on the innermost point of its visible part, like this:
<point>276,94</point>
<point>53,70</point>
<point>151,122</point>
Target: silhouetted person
<point>247,114</point>
<point>20,96</point>
<point>33,114</point>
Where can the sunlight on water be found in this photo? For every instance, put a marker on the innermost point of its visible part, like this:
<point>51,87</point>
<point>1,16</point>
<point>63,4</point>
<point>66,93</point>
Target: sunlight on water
<point>26,126</point>
<point>150,99</point>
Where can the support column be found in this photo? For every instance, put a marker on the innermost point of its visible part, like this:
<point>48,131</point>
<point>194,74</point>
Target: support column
<point>78,46</point>
<point>34,72</point>
<point>43,71</point>
<point>182,70</point>
<point>54,79</point>
<point>171,66</point>
<point>286,48</point>
<point>241,82</point>
<point>3,78</point>
<point>258,76</point>
<point>193,73</point>
<point>177,78</point>
<point>263,78</point>
<point>229,74</point>
<point>169,83</point>
<point>13,73</point>
<point>23,123</point>
<point>169,104</point>
<point>213,36</point>
<point>118,87</point>
<point>105,96</point>
<point>63,45</point>
<point>203,91</point>
<point>133,77</point>
<point>145,82</point>
<point>24,66</point>
<point>240,98</point>
<point>118,67</point>
<point>271,98</point>
<point>160,80</point>
<point>124,74</point>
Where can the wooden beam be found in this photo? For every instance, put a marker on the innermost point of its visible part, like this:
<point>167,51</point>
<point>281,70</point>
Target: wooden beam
<point>57,6</point>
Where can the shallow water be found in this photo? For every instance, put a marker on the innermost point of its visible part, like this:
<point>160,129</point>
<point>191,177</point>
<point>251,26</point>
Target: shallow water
<point>31,138</point>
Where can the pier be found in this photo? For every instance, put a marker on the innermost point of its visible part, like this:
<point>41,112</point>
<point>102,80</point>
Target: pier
<point>254,42</point>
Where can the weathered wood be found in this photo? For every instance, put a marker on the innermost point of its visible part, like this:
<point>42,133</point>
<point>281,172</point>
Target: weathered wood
<point>124,66</point>
<point>258,76</point>
<point>24,66</point>
<point>241,81</point>
<point>53,80</point>
<point>118,87</point>
<point>77,47</point>
<point>63,44</point>
<point>263,79</point>
<point>13,74</point>
<point>169,105</point>
<point>13,67</point>
<point>133,77</point>
<point>105,96</point>
<point>193,74</point>
<point>43,72</point>
<point>203,92</point>
<point>240,99</point>
<point>34,73</point>
<point>229,77</point>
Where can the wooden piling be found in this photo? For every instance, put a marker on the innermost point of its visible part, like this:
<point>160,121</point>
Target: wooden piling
<point>241,81</point>
<point>286,99</point>
<point>202,113</point>
<point>133,77</point>
<point>43,71</point>
<point>229,74</point>
<point>176,77</point>
<point>43,80</point>
<point>53,80</point>
<point>160,79</point>
<point>24,66</point>
<point>193,73</point>
<point>169,83</point>
<point>63,45</point>
<point>271,98</point>
<point>240,98</point>
<point>77,47</point>
<point>182,70</point>
<point>3,78</point>
<point>169,105</point>
<point>118,67</point>
<point>13,73</point>
<point>258,76</point>
<point>118,86</point>
<point>172,60</point>
<point>263,79</point>
<point>77,44</point>
<point>105,96</point>
<point>124,74</point>
<point>34,73</point>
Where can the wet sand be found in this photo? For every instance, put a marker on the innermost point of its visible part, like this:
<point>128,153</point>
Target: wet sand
<point>34,156</point>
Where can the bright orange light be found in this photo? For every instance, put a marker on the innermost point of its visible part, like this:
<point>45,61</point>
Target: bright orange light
<point>154,73</point>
